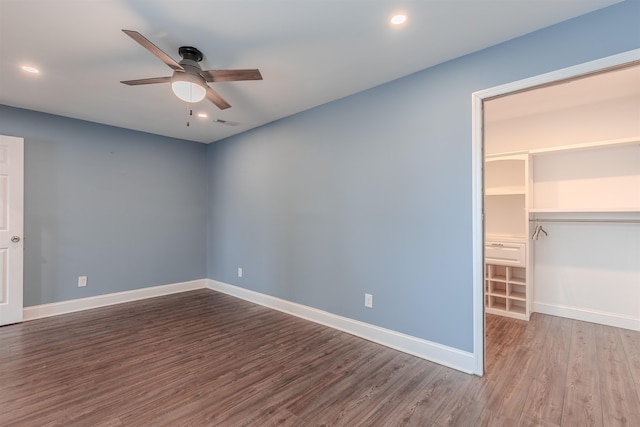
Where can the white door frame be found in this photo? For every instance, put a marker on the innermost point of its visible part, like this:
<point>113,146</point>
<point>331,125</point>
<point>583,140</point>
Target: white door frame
<point>477,166</point>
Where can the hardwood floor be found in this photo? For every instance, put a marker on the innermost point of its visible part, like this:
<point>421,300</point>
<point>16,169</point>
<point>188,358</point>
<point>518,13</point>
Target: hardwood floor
<point>205,358</point>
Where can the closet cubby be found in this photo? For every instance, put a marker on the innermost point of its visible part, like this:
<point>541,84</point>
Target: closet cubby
<point>506,291</point>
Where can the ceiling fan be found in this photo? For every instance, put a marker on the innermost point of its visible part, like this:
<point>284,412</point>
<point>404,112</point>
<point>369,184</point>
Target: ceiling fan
<point>189,80</point>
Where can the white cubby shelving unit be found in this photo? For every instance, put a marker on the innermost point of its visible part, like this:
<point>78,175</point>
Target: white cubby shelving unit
<point>506,290</point>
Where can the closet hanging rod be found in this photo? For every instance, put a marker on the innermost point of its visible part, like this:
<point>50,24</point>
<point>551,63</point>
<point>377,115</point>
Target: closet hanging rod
<point>623,221</point>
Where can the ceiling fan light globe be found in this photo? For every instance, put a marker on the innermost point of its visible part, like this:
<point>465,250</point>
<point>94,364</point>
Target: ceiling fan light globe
<point>188,87</point>
<point>188,91</point>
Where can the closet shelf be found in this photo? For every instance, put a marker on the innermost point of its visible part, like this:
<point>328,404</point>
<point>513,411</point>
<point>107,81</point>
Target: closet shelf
<point>506,238</point>
<point>584,210</point>
<point>504,191</point>
<point>588,146</point>
<point>517,309</point>
<point>517,281</point>
<point>634,140</point>
<point>498,292</point>
<point>629,216</point>
<point>518,296</point>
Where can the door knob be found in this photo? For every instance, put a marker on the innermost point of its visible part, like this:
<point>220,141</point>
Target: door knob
<point>15,239</point>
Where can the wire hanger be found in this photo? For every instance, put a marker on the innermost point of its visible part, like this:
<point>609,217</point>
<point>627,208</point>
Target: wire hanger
<point>536,232</point>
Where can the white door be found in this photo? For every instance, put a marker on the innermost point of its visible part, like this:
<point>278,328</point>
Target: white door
<point>11,228</point>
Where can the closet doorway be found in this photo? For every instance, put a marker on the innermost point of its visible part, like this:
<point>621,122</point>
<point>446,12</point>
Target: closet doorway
<point>560,164</point>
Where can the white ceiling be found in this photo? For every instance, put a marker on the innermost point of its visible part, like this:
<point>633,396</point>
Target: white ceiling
<point>309,52</point>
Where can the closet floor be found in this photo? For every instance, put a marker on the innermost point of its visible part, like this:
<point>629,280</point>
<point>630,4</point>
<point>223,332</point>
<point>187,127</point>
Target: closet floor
<point>553,371</point>
<point>202,358</point>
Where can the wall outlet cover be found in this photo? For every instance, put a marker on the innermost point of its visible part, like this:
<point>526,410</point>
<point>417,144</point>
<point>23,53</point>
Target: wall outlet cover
<point>368,300</point>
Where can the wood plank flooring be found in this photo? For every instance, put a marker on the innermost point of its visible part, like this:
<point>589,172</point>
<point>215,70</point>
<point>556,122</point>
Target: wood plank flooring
<point>202,358</point>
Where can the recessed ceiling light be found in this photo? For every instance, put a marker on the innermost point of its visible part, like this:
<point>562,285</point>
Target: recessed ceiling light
<point>398,19</point>
<point>29,69</point>
<point>203,115</point>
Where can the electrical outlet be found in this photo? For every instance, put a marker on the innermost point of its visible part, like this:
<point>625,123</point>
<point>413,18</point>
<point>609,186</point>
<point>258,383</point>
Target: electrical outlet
<point>82,281</point>
<point>239,271</point>
<point>368,300</point>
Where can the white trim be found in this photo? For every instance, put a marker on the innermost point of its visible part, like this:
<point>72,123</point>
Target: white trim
<point>477,99</point>
<point>64,307</point>
<point>477,232</point>
<point>438,353</point>
<point>562,74</point>
<point>594,316</point>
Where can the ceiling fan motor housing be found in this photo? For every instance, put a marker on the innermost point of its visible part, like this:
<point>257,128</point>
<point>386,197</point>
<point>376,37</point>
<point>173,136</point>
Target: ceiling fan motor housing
<point>190,58</point>
<point>189,52</point>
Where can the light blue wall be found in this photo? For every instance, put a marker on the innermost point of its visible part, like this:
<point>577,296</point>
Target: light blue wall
<point>125,208</point>
<point>372,193</point>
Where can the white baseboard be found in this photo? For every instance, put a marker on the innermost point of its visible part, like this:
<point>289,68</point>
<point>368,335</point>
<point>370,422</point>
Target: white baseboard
<point>434,352</point>
<point>64,307</point>
<point>603,318</point>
